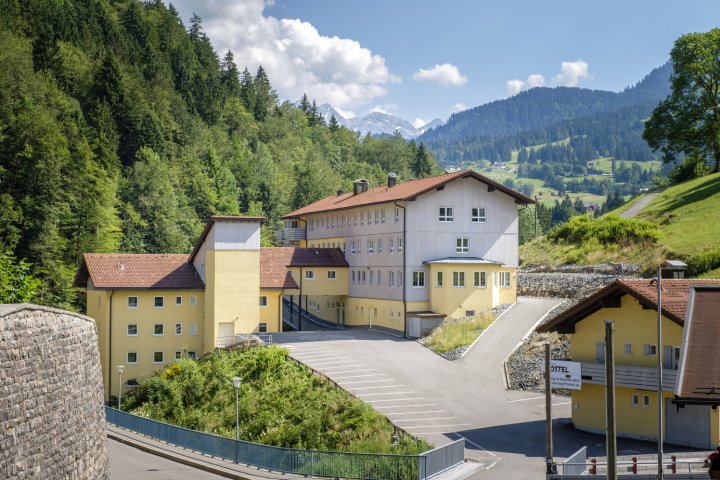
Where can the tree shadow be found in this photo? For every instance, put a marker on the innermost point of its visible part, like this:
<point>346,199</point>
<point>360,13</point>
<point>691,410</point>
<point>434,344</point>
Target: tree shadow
<point>706,189</point>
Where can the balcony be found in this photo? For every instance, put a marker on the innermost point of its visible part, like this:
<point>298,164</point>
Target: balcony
<point>290,235</point>
<point>629,376</point>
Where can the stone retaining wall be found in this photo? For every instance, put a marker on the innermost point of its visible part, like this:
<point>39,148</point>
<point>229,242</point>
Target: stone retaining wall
<point>561,285</point>
<point>52,420</point>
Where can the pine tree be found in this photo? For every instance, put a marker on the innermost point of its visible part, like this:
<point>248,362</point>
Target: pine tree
<point>334,125</point>
<point>265,96</point>
<point>230,76</point>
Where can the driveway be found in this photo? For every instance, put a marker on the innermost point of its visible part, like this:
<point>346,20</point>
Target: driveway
<point>439,400</point>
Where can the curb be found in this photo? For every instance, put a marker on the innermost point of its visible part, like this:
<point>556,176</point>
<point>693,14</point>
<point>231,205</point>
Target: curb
<point>488,328</point>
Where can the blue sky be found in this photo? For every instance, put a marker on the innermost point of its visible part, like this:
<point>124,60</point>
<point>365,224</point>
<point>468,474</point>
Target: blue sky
<point>426,59</point>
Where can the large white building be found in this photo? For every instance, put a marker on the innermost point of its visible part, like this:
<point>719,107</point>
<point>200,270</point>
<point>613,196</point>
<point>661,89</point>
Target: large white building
<point>423,249</point>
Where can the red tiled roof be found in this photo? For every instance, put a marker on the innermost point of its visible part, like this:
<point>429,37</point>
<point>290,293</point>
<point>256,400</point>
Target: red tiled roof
<point>138,270</point>
<point>275,261</point>
<point>400,192</point>
<point>674,300</point>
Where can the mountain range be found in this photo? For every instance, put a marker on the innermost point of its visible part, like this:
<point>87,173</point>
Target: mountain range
<point>377,123</point>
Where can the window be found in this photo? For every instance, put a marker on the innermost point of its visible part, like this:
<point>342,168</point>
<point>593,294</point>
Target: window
<point>178,300</point>
<point>158,357</point>
<point>309,274</point>
<point>178,329</point>
<point>478,215</point>
<point>372,274</point>
<point>379,278</point>
<point>650,349</point>
<point>391,245</point>
<point>646,401</point>
<point>390,278</point>
<point>132,357</point>
<point>628,349</point>
<point>397,214</point>
<point>363,277</point>
<point>635,400</point>
<point>382,216</point>
<point>262,328</point>
<point>400,279</point>
<point>362,218</point>
<point>392,315</point>
<point>159,329</point>
<point>132,330</point>
<point>400,245</point>
<point>193,329</point>
<point>331,274</point>
<point>192,354</point>
<point>462,245</point>
<point>479,280</point>
<point>355,219</point>
<point>418,279</point>
<point>178,355</point>
<point>132,302</point>
<point>445,214</point>
<point>370,246</point>
<point>469,313</point>
<point>193,300</point>
<point>263,300</point>
<point>379,245</point>
<point>353,277</point>
<point>377,217</point>
<point>159,302</point>
<point>352,248</point>
<point>505,279</point>
<point>439,280</point>
<point>459,279</point>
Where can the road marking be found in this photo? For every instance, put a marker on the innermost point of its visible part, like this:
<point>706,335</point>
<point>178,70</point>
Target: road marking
<point>400,406</point>
<point>383,386</point>
<point>418,419</point>
<point>369,381</point>
<point>524,399</point>
<point>346,366</point>
<point>356,370</point>
<point>390,393</point>
<point>439,426</point>
<point>399,400</point>
<point>329,364</point>
<point>316,355</point>
<point>411,413</point>
<point>359,376</point>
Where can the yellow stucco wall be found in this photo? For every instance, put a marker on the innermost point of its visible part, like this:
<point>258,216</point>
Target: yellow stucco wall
<point>325,306</point>
<point>456,301</point>
<point>321,285</point>
<point>375,312</point>
<point>271,314</point>
<point>232,280</point>
<point>331,242</point>
<point>145,343</point>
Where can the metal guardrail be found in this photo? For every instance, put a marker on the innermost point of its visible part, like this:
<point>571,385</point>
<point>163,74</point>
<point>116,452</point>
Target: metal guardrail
<point>312,463</point>
<point>245,339</point>
<point>575,464</point>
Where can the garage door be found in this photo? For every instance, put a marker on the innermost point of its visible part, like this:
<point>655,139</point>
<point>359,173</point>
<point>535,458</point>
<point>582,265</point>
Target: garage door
<point>689,426</point>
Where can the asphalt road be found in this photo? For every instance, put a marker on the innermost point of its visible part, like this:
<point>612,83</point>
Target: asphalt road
<point>128,463</point>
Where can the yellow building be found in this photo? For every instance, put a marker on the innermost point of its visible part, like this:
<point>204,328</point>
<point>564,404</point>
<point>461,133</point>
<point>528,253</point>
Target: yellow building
<point>632,306</point>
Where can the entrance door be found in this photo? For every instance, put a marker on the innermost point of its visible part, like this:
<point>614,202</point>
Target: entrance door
<point>226,333</point>
<point>689,426</point>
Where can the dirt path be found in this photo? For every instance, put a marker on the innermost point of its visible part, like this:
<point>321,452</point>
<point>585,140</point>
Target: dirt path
<point>638,207</point>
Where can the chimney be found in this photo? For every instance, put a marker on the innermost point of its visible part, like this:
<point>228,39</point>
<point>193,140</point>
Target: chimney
<point>360,186</point>
<point>339,192</point>
<point>392,179</point>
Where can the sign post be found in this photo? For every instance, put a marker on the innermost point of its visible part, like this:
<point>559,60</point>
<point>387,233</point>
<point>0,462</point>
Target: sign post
<point>558,374</point>
<point>548,414</point>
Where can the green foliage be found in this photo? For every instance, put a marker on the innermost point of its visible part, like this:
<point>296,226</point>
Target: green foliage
<point>688,121</point>
<point>452,334</point>
<point>17,285</point>
<point>120,129</point>
<point>282,403</point>
<point>703,262</point>
<point>607,230</point>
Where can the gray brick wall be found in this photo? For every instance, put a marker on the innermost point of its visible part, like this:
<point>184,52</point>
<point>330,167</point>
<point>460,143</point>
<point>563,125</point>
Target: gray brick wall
<point>52,421</point>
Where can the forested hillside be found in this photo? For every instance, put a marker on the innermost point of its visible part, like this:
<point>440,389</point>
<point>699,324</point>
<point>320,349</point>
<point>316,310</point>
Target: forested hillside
<point>123,130</point>
<point>607,123</point>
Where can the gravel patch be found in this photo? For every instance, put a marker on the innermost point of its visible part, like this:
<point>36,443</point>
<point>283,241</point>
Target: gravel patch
<point>562,284</point>
<point>524,367</point>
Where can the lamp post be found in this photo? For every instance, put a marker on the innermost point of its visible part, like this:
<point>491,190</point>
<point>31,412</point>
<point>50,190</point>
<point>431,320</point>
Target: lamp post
<point>236,383</point>
<point>120,369</point>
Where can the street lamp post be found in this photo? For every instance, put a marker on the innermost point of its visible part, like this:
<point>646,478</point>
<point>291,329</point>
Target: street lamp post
<point>236,383</point>
<point>120,369</point>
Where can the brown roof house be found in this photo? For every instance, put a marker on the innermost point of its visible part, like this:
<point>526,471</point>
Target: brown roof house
<point>691,365</point>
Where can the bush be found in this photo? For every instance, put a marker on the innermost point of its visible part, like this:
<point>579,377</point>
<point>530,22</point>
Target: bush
<point>606,230</point>
<point>703,262</point>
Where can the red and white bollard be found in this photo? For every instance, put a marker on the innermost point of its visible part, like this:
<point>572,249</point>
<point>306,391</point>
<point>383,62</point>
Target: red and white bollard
<point>673,466</point>
<point>593,467</point>
<point>634,465</point>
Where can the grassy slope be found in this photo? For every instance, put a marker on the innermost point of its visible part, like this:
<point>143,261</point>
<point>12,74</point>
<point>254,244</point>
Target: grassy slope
<point>688,215</point>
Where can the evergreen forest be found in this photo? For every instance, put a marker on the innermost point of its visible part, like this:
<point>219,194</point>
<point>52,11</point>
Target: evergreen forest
<point>122,130</point>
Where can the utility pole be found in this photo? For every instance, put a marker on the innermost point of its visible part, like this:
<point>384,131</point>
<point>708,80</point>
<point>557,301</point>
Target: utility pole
<point>610,402</point>
<point>535,235</point>
<point>548,415</point>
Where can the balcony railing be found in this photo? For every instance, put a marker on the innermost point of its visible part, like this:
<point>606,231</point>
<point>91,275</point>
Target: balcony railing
<point>629,376</point>
<point>290,234</point>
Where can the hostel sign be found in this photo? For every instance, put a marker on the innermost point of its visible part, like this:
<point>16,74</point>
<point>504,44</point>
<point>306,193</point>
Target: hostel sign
<point>565,374</point>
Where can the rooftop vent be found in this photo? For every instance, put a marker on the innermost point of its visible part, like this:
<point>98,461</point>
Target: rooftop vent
<point>392,179</point>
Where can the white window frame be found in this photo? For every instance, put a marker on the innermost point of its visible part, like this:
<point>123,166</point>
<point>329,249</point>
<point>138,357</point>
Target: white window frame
<point>650,349</point>
<point>370,247</point>
<point>462,245</point>
<point>309,274</point>
<point>137,301</point>
<point>192,354</point>
<point>178,300</point>
<point>399,245</point>
<point>397,214</point>
<point>193,300</point>
<point>504,280</point>
<point>458,279</point>
<point>379,278</point>
<point>127,358</point>
<point>391,278</point>
<point>362,218</point>
<point>438,279</point>
<point>178,355</point>
<point>162,355</point>
<point>263,301</point>
<point>479,280</point>
<point>362,274</point>
<point>379,245</point>
<point>159,334</point>
<point>353,277</point>
<point>418,279</point>
<point>162,297</point>
<point>372,275</point>
<point>628,349</point>
<point>646,401</point>
<point>332,274</point>
<point>137,329</point>
<point>399,279</point>
<point>635,400</point>
<point>391,245</point>
<point>193,329</point>
<point>377,217</point>
<point>445,214</point>
<point>176,329</point>
<point>478,215</point>
<point>382,216</point>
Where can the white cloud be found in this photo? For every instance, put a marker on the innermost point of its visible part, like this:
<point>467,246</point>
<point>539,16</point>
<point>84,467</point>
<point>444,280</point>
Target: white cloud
<point>534,80</point>
<point>571,73</point>
<point>419,122</point>
<point>386,108</point>
<point>445,75</point>
<point>459,107</point>
<point>514,86</point>
<point>297,58</point>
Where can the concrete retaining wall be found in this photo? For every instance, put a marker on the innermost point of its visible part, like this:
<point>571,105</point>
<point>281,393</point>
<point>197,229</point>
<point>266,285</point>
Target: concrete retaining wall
<point>52,420</point>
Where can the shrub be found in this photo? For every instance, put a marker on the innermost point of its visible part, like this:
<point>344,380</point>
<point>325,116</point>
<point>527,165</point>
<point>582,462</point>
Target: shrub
<point>703,262</point>
<point>607,230</point>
